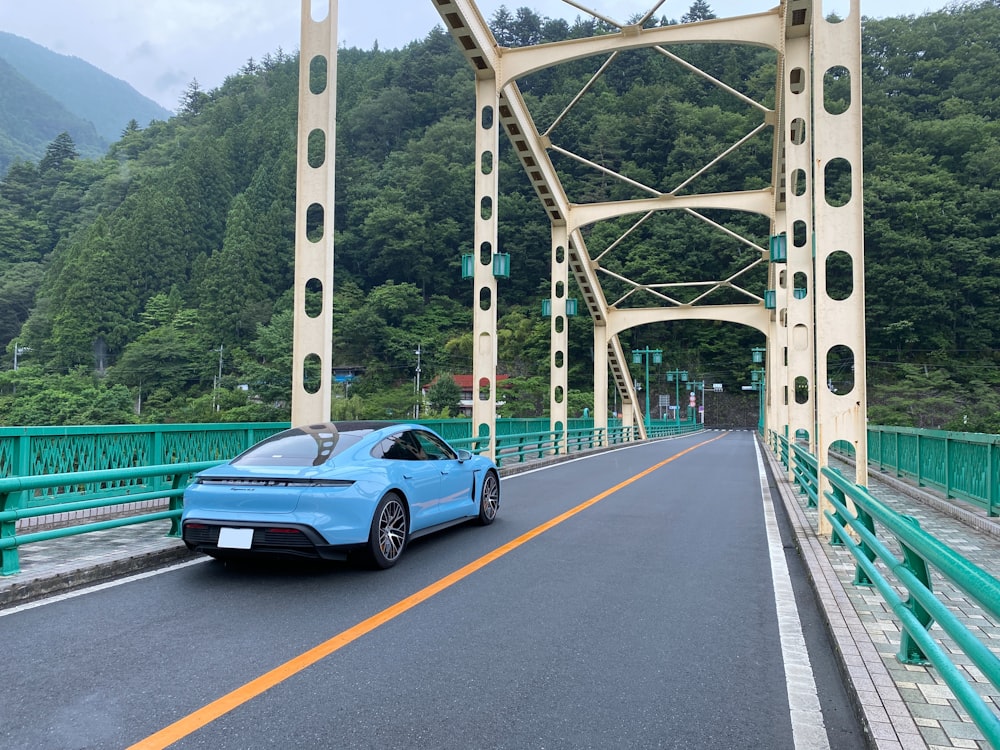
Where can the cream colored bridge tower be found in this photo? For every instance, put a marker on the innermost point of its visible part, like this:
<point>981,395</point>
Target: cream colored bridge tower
<point>812,310</point>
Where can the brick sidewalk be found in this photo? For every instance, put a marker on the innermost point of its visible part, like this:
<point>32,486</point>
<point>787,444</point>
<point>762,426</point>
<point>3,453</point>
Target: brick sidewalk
<point>904,706</point>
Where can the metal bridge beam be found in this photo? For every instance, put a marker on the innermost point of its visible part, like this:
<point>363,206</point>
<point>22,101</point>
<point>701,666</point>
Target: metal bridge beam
<point>808,326</point>
<point>312,340</point>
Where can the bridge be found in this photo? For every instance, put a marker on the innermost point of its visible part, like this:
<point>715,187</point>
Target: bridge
<point>808,305</point>
<point>632,594</point>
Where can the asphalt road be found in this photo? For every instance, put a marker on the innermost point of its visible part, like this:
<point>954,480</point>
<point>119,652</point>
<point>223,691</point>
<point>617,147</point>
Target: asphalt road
<point>624,600</point>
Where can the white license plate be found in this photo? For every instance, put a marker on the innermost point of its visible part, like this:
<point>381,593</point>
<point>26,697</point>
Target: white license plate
<point>235,538</point>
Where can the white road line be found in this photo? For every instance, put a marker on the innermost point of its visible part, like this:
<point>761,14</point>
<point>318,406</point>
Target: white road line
<point>808,730</point>
<point>99,587</point>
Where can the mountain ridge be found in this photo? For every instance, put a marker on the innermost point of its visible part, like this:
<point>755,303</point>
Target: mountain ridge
<point>46,93</point>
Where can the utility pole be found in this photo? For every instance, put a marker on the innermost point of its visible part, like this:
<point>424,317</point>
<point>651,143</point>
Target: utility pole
<point>18,350</point>
<point>218,382</point>
<point>416,408</point>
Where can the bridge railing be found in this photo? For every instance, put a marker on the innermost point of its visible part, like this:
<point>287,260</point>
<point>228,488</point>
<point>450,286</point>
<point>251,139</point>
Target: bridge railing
<point>171,480</point>
<point>868,528</point>
<point>961,465</point>
<point>141,494</point>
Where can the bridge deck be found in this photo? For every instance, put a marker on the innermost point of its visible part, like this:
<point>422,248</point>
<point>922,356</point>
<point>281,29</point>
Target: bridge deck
<point>904,706</point>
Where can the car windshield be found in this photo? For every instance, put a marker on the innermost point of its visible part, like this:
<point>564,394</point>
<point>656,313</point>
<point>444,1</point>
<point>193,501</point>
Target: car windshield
<point>299,447</point>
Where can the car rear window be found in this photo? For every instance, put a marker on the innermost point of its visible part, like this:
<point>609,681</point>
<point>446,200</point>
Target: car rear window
<point>298,448</point>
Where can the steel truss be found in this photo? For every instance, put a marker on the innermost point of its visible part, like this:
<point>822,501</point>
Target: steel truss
<point>806,323</point>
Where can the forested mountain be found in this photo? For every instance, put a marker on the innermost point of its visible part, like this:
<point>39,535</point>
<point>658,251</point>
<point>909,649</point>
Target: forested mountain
<point>132,282</point>
<point>45,94</point>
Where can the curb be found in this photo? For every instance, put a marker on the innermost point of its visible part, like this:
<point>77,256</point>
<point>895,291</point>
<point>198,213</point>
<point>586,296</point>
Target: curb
<point>21,593</point>
<point>885,718</point>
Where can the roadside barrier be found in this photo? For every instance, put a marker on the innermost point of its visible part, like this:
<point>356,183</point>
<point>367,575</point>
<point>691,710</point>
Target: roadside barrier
<point>86,490</point>
<point>57,497</point>
<point>870,530</point>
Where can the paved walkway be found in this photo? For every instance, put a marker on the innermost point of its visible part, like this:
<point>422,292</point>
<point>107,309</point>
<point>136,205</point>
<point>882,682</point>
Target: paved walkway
<point>902,706</point>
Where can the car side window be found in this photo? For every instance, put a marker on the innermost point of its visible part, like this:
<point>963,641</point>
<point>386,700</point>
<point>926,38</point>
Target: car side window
<point>403,446</point>
<point>433,448</point>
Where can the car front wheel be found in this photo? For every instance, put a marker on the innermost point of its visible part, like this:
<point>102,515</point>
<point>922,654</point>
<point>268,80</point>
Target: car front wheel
<point>387,538</point>
<point>489,499</point>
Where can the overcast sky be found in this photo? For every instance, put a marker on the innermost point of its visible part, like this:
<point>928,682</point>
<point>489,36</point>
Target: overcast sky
<point>160,46</point>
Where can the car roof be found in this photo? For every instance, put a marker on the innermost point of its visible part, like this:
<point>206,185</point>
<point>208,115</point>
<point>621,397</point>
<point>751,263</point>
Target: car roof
<point>355,426</point>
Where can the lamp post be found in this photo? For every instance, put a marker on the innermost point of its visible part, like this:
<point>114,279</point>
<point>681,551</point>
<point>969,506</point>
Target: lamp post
<point>676,377</point>
<point>637,357</point>
<point>758,380</point>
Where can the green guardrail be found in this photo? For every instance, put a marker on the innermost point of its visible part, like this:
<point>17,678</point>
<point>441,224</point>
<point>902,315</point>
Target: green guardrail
<point>46,494</point>
<point>857,526</point>
<point>961,465</point>
<point>920,550</point>
<point>800,462</point>
<point>14,491</point>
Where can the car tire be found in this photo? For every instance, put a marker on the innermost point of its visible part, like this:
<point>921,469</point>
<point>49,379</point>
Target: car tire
<point>489,499</point>
<point>389,531</point>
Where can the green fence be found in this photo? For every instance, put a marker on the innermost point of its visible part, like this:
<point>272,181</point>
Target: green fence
<point>863,525</point>
<point>961,465</point>
<point>141,471</point>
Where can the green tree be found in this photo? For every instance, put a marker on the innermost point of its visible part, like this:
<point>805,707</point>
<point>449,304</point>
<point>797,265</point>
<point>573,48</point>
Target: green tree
<point>444,396</point>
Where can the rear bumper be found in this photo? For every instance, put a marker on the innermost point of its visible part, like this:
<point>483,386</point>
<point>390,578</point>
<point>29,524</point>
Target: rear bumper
<point>278,540</point>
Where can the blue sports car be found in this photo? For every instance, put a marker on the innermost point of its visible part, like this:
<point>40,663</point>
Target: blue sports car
<point>326,491</point>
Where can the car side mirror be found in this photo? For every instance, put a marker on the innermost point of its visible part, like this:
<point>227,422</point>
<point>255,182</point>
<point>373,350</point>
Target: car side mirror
<point>464,455</point>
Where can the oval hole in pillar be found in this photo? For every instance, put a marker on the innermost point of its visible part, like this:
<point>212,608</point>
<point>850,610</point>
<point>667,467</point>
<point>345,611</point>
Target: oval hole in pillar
<point>837,90</point>
<point>799,236</point>
<point>837,182</point>
<point>317,75</point>
<point>799,182</point>
<point>317,148</point>
<point>311,373</point>
<point>797,131</point>
<point>315,218</point>
<point>839,275</point>
<point>314,298</point>
<point>801,390</point>
<point>840,369</point>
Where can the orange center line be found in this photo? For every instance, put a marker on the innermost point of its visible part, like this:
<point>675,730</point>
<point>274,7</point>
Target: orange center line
<point>207,714</point>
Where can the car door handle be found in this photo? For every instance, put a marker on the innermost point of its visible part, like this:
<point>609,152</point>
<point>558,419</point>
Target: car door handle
<point>407,476</point>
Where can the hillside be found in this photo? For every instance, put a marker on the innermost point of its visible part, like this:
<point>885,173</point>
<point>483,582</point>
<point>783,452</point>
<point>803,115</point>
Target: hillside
<point>135,279</point>
<point>30,119</point>
<point>45,93</point>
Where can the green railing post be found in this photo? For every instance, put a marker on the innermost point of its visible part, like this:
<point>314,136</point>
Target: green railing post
<point>10,562</point>
<point>835,538</point>
<point>861,577</point>
<point>910,651</point>
<point>157,457</point>
<point>991,484</point>
<point>178,481</point>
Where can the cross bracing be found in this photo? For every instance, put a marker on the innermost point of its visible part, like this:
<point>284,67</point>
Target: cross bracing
<point>603,206</point>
